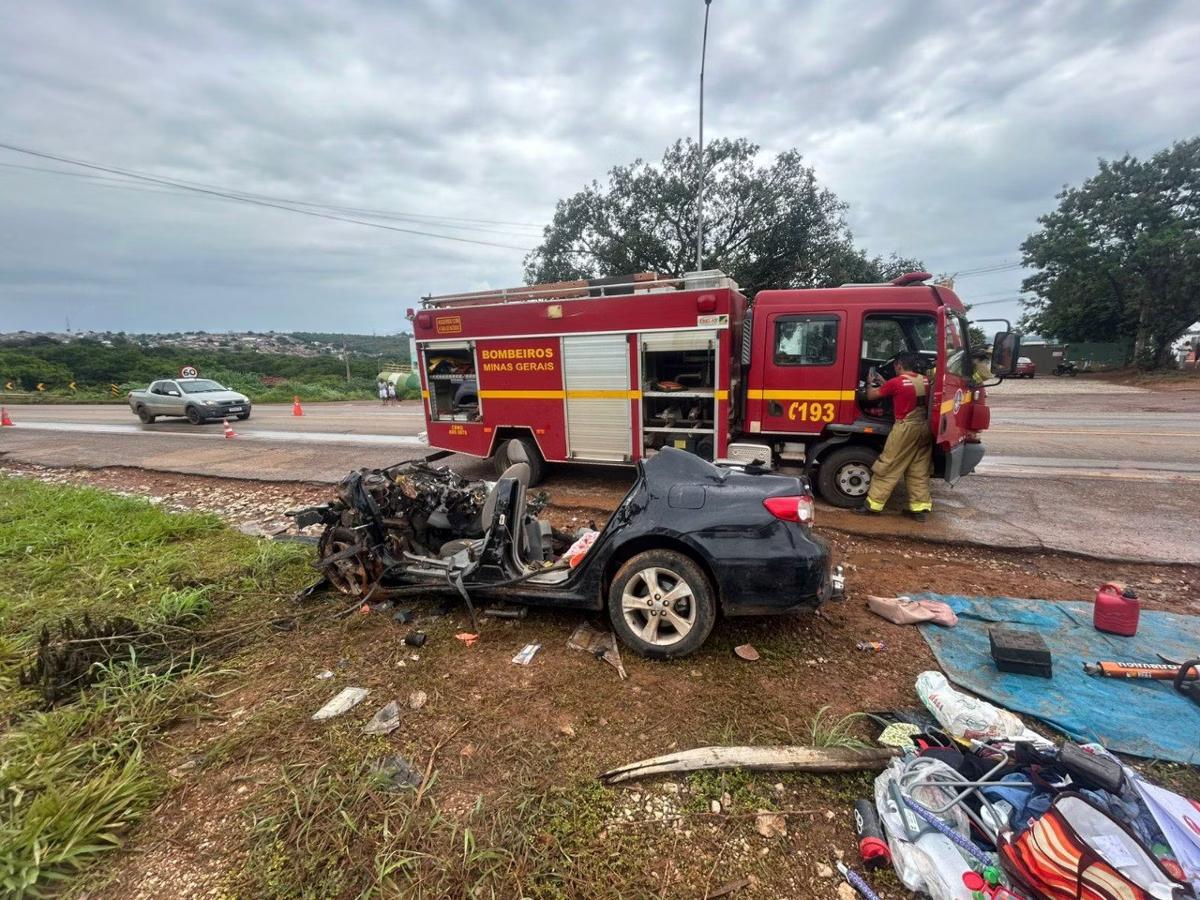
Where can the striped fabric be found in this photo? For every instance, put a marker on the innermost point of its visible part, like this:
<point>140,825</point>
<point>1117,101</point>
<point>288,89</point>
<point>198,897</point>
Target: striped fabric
<point>1052,861</point>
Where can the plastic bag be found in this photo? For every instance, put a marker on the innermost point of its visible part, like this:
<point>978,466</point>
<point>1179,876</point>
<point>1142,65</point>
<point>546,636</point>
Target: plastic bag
<point>932,865</point>
<point>969,718</point>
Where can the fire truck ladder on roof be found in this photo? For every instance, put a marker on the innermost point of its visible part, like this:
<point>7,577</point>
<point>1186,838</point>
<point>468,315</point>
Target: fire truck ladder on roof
<point>644,282</point>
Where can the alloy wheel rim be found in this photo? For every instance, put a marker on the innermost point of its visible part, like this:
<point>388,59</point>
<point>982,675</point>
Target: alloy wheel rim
<point>659,606</point>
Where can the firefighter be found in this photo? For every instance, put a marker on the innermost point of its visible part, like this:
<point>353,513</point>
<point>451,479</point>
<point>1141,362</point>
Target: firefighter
<point>908,453</point>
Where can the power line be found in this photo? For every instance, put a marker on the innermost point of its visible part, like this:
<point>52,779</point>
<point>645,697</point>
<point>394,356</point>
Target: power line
<point>245,198</point>
<point>988,270</point>
<point>373,213</point>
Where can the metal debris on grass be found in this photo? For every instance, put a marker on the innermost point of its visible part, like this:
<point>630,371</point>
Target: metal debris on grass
<point>346,700</point>
<point>396,771</point>
<point>600,644</point>
<point>385,721</point>
<point>746,652</point>
<point>528,652</point>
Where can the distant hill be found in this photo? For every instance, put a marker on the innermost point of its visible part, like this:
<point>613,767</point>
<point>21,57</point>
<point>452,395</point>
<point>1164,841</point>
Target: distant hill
<point>311,363</point>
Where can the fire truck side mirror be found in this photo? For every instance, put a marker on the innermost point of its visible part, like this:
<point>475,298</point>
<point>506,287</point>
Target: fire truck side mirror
<point>1006,347</point>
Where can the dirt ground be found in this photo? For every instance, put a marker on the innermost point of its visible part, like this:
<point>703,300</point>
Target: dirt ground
<point>496,733</point>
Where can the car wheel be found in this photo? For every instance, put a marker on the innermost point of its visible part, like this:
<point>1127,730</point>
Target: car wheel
<point>194,416</point>
<point>145,415</point>
<point>243,416</point>
<point>845,475</point>
<point>355,569</point>
<point>661,604</point>
<point>501,460</point>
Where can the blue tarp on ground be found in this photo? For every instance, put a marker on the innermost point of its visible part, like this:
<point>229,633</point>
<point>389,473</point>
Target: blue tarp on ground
<point>1135,716</point>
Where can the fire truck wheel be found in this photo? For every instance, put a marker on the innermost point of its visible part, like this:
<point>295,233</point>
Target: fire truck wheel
<point>845,475</point>
<point>661,604</point>
<point>501,460</point>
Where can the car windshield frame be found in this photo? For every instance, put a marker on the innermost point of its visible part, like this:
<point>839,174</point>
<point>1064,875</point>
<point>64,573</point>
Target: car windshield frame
<point>201,386</point>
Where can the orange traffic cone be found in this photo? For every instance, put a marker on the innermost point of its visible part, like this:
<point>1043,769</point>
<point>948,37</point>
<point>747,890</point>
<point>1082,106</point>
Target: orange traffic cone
<point>229,432</point>
<point>4,419</point>
<point>296,410</point>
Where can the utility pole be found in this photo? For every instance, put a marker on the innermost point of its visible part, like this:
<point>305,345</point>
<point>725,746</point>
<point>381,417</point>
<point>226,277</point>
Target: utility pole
<point>346,357</point>
<point>700,150</point>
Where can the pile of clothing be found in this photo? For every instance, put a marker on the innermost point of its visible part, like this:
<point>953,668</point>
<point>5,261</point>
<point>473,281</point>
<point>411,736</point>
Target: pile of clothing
<point>980,806</point>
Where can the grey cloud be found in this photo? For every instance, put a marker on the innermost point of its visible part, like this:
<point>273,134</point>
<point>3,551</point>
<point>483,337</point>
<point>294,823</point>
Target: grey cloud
<point>947,128</point>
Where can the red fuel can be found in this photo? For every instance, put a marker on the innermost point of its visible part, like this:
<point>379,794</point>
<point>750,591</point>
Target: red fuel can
<point>1116,610</point>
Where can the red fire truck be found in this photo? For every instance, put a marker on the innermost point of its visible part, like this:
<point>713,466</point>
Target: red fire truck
<point>611,370</point>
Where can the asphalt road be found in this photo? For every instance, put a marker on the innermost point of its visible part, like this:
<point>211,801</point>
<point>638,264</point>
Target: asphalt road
<point>1073,464</point>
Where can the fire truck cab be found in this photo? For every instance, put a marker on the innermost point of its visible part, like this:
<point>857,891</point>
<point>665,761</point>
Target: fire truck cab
<point>612,370</point>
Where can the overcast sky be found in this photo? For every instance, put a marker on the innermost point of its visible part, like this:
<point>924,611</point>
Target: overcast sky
<point>947,127</point>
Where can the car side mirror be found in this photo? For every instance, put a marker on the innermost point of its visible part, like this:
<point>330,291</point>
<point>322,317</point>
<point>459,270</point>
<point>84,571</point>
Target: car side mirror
<point>1006,348</point>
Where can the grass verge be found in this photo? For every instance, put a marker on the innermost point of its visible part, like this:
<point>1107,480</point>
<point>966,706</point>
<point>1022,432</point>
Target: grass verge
<point>74,777</point>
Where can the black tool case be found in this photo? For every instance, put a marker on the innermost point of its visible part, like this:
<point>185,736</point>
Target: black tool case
<point>1023,652</point>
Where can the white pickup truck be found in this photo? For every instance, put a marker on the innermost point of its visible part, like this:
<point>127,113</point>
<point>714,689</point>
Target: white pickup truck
<point>196,399</point>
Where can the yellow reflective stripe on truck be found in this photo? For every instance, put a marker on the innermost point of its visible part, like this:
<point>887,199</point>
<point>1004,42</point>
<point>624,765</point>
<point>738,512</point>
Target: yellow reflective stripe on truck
<point>800,395</point>
<point>948,405</point>
<point>559,395</point>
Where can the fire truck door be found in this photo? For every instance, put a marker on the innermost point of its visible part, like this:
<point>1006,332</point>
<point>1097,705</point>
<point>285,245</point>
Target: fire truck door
<point>805,372</point>
<point>951,394</point>
<point>596,382</point>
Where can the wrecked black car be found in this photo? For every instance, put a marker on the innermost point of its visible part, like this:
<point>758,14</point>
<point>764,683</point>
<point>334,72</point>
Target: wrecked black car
<point>689,540</point>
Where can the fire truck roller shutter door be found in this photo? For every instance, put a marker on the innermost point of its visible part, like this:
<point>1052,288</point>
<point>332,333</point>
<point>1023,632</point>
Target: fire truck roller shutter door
<point>596,381</point>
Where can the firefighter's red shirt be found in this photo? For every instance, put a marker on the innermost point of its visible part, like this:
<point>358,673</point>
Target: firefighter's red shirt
<point>903,394</point>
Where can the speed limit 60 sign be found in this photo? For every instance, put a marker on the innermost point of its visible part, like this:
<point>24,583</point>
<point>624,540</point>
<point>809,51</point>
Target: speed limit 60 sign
<point>188,372</point>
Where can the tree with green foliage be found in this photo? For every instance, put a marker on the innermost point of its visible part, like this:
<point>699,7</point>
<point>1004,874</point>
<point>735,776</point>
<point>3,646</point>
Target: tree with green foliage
<point>766,225</point>
<point>1120,256</point>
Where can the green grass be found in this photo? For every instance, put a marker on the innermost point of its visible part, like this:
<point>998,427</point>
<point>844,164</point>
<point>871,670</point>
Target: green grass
<point>76,777</point>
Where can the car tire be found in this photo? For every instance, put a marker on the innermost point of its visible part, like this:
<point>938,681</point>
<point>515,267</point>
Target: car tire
<point>844,475</point>
<point>243,416</point>
<point>194,415</point>
<point>145,415</point>
<point>689,619</point>
<point>537,466</point>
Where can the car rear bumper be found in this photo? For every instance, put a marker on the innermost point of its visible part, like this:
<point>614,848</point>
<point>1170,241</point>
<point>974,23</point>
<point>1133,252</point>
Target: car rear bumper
<point>781,582</point>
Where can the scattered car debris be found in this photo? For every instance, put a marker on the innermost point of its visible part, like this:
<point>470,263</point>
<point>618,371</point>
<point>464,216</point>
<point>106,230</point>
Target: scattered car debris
<point>346,699</point>
<point>507,612</point>
<point>600,644</point>
<point>756,759</point>
<point>837,583</point>
<point>416,639</point>
<point>467,638</point>
<point>872,646</point>
<point>325,676</point>
<point>397,772</point>
<point>417,699</point>
<point>528,652</point>
<point>385,721</point>
<point>746,652</point>
<point>403,616</point>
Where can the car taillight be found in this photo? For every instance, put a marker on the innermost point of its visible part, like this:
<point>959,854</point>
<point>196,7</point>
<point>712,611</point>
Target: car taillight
<point>791,509</point>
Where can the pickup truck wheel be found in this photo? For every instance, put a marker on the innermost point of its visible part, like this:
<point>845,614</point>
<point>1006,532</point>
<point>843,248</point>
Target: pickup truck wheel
<point>661,604</point>
<point>194,415</point>
<point>145,415</point>
<point>845,475</point>
<point>537,466</point>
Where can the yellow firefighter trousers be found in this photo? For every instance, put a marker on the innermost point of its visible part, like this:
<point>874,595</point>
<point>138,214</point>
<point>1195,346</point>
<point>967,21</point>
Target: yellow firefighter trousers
<point>908,454</point>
